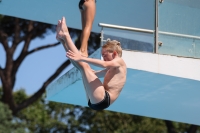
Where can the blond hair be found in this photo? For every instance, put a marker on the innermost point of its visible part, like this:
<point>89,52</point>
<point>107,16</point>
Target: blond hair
<point>112,46</point>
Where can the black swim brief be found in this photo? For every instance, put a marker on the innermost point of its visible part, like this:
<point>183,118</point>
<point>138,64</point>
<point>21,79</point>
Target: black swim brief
<point>105,103</point>
<point>80,5</point>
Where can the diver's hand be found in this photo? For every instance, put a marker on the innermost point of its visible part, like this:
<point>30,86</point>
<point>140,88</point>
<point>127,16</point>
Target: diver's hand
<point>74,56</point>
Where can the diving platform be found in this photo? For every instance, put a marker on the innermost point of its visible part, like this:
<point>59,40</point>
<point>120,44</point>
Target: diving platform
<point>158,86</point>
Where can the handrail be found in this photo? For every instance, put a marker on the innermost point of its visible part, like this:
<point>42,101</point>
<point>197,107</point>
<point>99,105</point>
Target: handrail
<point>125,28</point>
<point>179,35</point>
<point>146,30</point>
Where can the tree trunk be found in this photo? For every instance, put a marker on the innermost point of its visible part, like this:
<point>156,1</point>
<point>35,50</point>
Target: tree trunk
<point>192,129</point>
<point>170,127</point>
<point>7,97</point>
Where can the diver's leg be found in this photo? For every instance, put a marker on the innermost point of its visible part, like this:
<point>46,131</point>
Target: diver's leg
<point>94,88</point>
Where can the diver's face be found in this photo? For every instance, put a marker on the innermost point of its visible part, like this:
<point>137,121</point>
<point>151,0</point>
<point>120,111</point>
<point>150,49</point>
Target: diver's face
<point>107,56</point>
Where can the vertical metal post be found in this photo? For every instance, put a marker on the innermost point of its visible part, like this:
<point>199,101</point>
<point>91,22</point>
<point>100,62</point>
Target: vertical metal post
<point>102,36</point>
<point>156,27</point>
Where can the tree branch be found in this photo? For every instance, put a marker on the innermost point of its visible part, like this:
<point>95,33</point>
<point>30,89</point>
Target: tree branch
<point>25,36</point>
<point>1,75</point>
<point>28,37</point>
<point>39,93</point>
<point>26,44</point>
<point>18,61</point>
<point>16,34</point>
<point>43,47</point>
<point>35,31</point>
<point>3,40</point>
<point>23,53</point>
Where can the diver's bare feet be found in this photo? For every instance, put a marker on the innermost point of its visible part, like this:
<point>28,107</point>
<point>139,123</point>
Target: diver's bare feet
<point>61,30</point>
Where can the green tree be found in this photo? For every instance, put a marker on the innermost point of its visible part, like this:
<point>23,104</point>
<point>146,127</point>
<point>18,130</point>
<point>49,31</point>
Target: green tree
<point>7,122</point>
<point>115,122</point>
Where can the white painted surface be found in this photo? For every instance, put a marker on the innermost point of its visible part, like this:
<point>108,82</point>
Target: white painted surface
<point>163,64</point>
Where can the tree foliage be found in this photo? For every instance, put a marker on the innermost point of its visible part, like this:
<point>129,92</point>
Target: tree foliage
<point>7,122</point>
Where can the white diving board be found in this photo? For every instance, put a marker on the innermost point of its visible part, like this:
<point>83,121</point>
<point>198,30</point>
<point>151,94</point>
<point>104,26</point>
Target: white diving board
<point>158,86</point>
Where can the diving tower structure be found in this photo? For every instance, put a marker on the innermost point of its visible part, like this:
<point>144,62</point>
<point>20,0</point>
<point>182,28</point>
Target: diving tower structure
<point>158,85</point>
<point>161,47</point>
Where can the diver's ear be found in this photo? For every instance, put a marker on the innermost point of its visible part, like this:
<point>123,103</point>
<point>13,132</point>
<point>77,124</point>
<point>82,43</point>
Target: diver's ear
<point>114,54</point>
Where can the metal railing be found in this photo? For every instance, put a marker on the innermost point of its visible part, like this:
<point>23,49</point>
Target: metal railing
<point>103,25</point>
<point>125,28</point>
<point>179,35</point>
